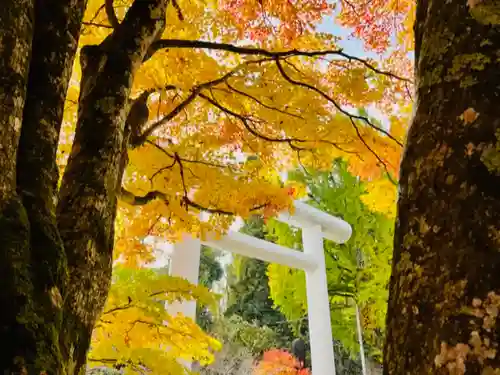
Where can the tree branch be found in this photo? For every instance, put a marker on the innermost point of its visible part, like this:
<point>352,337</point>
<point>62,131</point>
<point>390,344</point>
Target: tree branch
<point>291,141</point>
<point>110,13</point>
<point>202,162</point>
<point>138,200</point>
<point>188,202</point>
<point>182,43</point>
<point>335,104</point>
<point>358,133</point>
<point>242,93</point>
<point>245,121</point>
<point>195,91</point>
<point>90,23</point>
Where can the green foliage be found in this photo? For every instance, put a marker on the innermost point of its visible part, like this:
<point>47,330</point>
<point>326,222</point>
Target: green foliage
<point>358,271</point>
<point>248,290</point>
<point>211,271</point>
<point>239,332</point>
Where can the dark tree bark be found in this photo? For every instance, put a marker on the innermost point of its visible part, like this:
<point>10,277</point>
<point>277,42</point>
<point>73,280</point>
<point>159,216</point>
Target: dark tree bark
<point>56,244</point>
<point>445,287</point>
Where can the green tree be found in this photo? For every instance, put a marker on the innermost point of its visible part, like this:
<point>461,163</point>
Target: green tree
<point>248,290</point>
<point>211,271</point>
<point>250,301</point>
<point>357,271</point>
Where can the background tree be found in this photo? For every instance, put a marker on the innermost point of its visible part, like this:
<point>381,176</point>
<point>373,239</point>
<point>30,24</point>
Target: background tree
<point>133,126</point>
<point>211,271</point>
<point>357,271</point>
<point>248,290</point>
<point>443,300</point>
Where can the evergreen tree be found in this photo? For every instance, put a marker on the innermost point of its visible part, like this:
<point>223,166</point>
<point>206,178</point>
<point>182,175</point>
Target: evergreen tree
<point>211,271</point>
<point>248,290</point>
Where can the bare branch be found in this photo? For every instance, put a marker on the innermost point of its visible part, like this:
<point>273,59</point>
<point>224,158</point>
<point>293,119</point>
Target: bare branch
<point>176,6</point>
<point>99,10</point>
<point>102,360</point>
<point>118,308</point>
<point>90,23</point>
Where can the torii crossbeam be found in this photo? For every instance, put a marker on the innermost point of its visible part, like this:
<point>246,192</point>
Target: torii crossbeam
<point>315,225</point>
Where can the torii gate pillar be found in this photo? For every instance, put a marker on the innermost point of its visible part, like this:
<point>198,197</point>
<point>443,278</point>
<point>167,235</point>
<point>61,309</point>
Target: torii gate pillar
<point>318,304</point>
<point>185,263</point>
<point>315,225</point>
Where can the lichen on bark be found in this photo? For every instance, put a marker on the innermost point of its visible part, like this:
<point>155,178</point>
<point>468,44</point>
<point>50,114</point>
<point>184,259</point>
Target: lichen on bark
<point>56,261</point>
<point>445,254</point>
<point>486,12</point>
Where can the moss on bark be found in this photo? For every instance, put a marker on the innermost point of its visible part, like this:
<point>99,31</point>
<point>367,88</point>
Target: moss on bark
<point>57,262</point>
<point>446,242</point>
<point>31,340</point>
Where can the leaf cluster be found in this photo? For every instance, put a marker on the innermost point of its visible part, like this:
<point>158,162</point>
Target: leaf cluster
<point>135,332</point>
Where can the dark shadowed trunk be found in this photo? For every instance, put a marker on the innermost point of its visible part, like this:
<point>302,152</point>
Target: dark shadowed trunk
<point>56,244</point>
<point>445,287</point>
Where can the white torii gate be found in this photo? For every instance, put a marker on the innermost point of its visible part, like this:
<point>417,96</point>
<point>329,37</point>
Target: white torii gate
<point>315,225</point>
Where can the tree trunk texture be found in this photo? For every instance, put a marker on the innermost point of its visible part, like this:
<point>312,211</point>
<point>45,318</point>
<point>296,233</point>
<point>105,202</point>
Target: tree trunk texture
<point>444,299</point>
<point>56,245</point>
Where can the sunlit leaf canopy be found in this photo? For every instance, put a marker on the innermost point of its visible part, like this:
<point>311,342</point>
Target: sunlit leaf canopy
<point>136,333</point>
<point>241,91</point>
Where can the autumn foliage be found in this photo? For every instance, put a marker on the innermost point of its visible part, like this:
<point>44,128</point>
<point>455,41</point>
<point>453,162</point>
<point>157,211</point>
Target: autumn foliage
<point>279,362</point>
<point>178,117</point>
<point>135,331</point>
<point>218,138</point>
<point>379,22</point>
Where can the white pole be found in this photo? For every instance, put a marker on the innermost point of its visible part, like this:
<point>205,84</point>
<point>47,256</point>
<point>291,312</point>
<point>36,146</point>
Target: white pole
<point>320,328</point>
<point>185,263</point>
<point>360,341</point>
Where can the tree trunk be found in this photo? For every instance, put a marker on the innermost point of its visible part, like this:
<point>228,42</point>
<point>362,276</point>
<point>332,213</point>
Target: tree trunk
<point>445,290</point>
<point>56,245</point>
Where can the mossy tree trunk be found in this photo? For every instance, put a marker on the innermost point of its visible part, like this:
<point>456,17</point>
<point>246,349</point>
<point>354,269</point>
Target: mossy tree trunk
<point>56,244</point>
<point>444,298</point>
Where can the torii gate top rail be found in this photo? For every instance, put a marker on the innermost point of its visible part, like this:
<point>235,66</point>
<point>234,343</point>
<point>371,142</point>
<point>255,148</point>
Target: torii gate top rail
<point>315,226</point>
<point>305,216</point>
